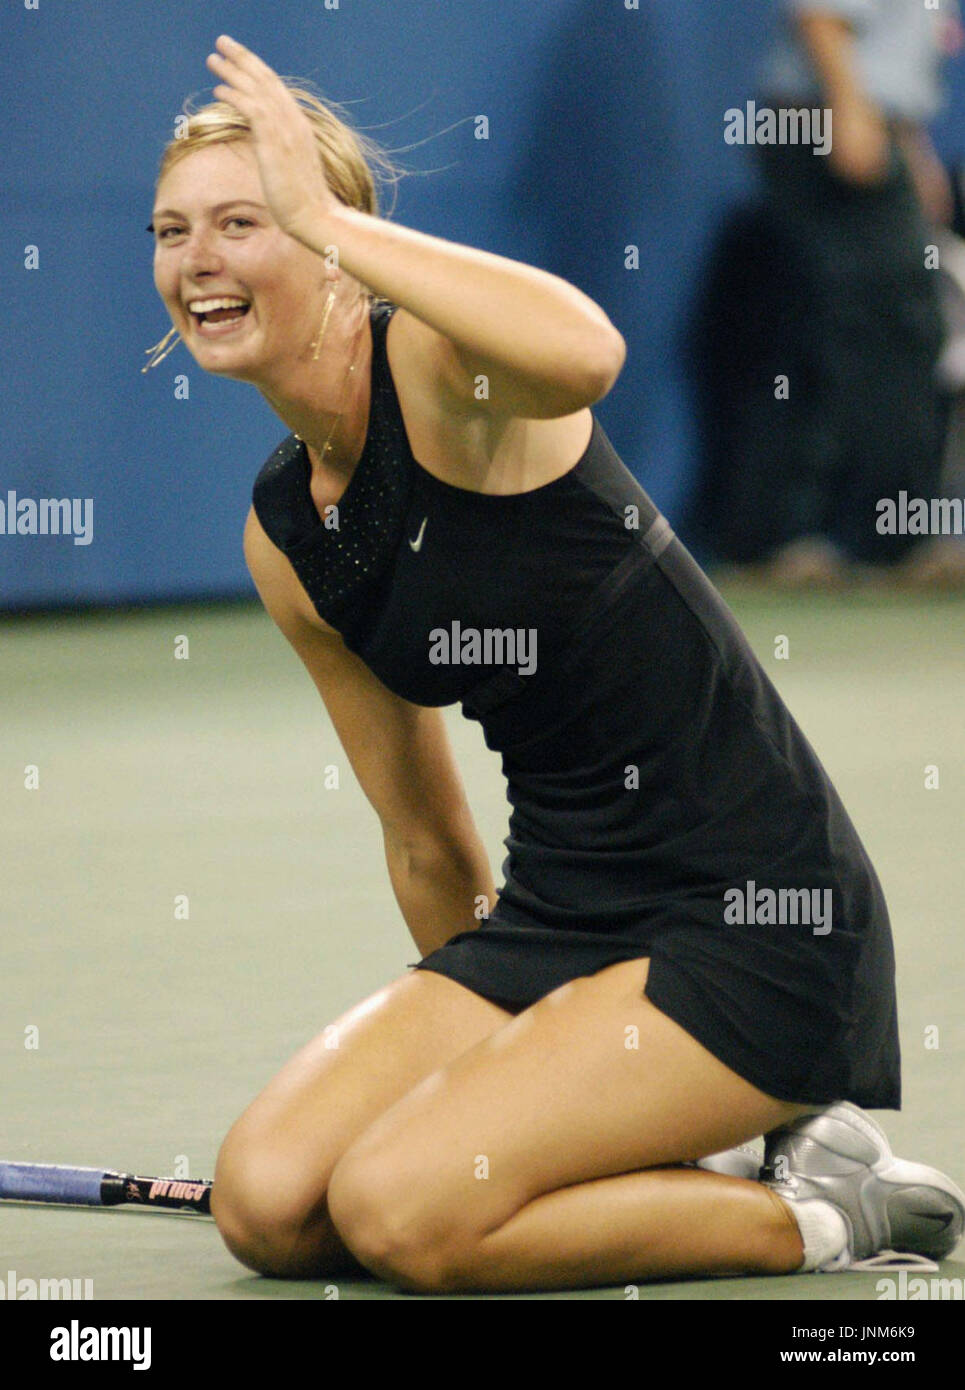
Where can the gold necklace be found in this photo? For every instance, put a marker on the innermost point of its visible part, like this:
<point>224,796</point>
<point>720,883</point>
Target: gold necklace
<point>348,375</point>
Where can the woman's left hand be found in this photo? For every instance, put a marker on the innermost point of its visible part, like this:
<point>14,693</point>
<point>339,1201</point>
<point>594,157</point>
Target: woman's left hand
<point>296,192</point>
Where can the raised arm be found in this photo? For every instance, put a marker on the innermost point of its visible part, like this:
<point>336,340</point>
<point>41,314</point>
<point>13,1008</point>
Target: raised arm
<point>401,756</point>
<point>545,348</point>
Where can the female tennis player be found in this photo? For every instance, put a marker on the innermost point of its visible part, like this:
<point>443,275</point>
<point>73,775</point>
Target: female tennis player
<point>690,948</point>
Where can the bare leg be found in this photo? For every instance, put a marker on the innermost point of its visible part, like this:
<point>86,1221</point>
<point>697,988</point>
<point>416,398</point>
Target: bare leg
<point>660,1224</point>
<point>519,1164</point>
<point>273,1169</point>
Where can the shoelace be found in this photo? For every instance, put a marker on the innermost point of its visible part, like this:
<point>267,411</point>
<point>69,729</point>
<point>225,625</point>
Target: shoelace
<point>894,1259</point>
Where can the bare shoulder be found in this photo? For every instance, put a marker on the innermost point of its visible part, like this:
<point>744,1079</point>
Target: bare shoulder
<point>468,442</point>
<point>424,366</point>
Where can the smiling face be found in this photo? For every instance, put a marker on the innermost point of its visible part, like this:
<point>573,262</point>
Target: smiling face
<point>245,297</point>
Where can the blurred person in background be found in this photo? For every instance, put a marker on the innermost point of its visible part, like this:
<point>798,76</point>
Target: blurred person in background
<point>830,289</point>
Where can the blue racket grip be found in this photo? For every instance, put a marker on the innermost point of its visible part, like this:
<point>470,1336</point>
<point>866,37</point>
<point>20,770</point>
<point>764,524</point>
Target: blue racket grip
<point>45,1182</point>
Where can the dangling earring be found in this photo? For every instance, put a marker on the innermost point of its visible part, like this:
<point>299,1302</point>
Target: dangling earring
<point>321,332</point>
<point>160,351</point>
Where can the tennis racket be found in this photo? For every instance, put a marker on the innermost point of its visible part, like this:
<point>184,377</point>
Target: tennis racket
<point>99,1187</point>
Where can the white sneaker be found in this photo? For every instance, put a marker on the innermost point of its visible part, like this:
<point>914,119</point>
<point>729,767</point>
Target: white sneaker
<point>742,1162</point>
<point>842,1156</point>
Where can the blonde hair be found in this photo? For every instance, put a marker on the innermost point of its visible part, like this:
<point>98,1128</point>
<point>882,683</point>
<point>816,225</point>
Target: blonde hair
<point>353,165</point>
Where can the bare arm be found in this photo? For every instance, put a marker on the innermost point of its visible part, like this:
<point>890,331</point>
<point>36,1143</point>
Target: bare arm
<point>547,350</point>
<point>928,174</point>
<point>401,756</point>
<point>830,44</point>
<point>860,147</point>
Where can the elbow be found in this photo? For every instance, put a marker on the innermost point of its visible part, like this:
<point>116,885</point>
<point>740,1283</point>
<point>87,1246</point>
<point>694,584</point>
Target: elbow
<point>425,847</point>
<point>609,360</point>
<point>599,368</point>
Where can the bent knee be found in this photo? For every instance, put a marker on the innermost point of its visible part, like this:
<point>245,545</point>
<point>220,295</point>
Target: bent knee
<point>390,1232</point>
<point>268,1216</point>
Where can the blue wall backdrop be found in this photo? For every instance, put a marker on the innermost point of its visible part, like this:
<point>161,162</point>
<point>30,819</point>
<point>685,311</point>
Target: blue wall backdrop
<point>605,131</point>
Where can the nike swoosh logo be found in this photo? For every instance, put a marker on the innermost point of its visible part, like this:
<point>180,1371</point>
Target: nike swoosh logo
<point>945,1218</point>
<point>417,543</point>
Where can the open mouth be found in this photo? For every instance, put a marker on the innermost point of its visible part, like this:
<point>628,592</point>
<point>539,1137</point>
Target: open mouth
<point>223,309</point>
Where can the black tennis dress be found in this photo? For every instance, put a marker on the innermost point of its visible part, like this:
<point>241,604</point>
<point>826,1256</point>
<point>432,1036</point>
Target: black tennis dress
<point>664,801</point>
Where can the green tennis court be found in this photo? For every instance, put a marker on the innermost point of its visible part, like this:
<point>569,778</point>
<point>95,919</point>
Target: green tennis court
<point>188,896</point>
